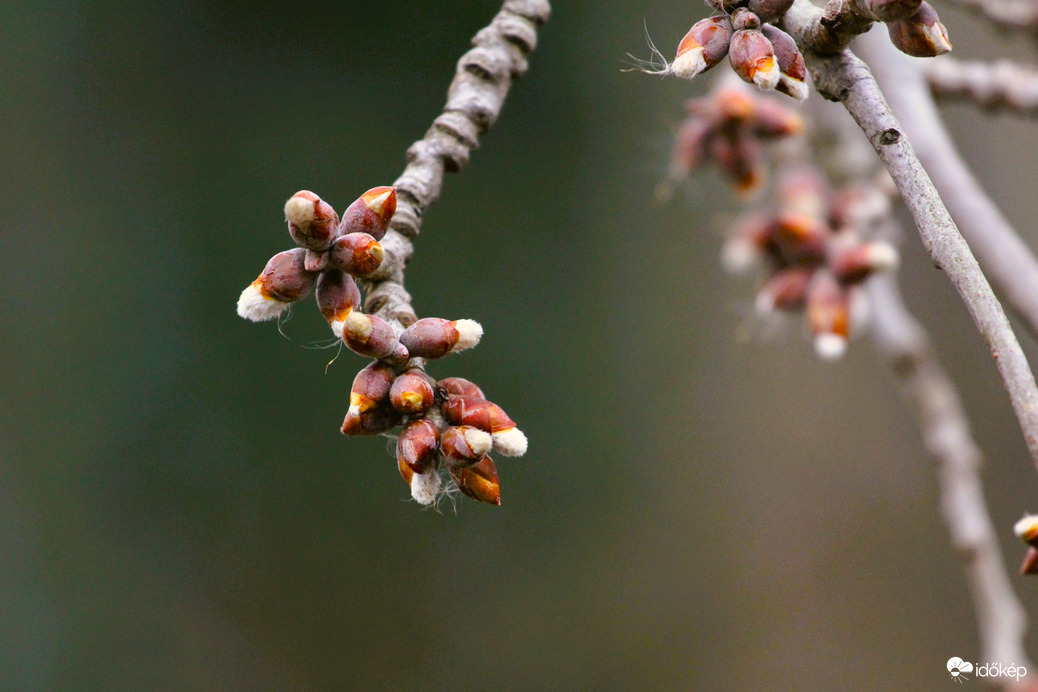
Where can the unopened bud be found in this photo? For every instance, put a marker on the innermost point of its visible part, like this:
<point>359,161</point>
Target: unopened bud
<point>416,448</point>
<point>772,120</point>
<point>371,213</point>
<point>464,445</point>
<point>412,392</point>
<point>315,261</point>
<point>792,70</point>
<point>828,315</point>
<point>784,290</point>
<point>922,35</point>
<point>770,10</point>
<point>433,337</point>
<point>489,417</point>
<point>358,254</point>
<point>751,240</point>
<point>371,422</point>
<point>371,388</point>
<point>739,161</point>
<point>801,240</point>
<point>1027,529</point>
<point>311,221</point>
<point>705,45</point>
<point>889,10</point>
<point>425,487</point>
<point>479,481</point>
<point>753,59</point>
<point>460,386</point>
<point>337,296</point>
<point>743,18</point>
<point>371,336</point>
<point>283,281</point>
<point>1030,563</point>
<point>855,263</point>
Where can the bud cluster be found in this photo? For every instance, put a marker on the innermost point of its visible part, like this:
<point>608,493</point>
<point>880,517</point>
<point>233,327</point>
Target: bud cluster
<point>812,256</point>
<point>449,423</point>
<point>759,52</point>
<point>729,127</point>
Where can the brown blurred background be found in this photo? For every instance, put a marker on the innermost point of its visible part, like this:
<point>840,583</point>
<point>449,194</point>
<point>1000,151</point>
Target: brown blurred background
<point>179,511</point>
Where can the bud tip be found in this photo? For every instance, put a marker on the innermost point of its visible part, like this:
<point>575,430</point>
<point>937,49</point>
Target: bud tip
<point>511,442</point>
<point>425,487</point>
<point>830,346</point>
<point>256,307</point>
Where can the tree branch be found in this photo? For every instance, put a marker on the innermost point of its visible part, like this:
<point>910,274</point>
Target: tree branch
<point>474,100</point>
<point>845,78</point>
<point>1002,84</point>
<point>1014,14</point>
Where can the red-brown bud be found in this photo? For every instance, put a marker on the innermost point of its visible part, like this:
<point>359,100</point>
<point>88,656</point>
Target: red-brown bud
<point>315,261</point>
<point>311,221</point>
<point>371,387</point>
<point>784,290</point>
<point>889,10</point>
<point>283,281</point>
<point>705,45</point>
<point>739,161</point>
<point>412,392</point>
<point>802,240</point>
<point>828,314</point>
<point>433,337</point>
<point>479,481</point>
<point>372,336</point>
<point>792,70</point>
<point>416,448</point>
<point>922,35</point>
<point>464,445</point>
<point>752,239</point>
<point>854,262</point>
<point>489,417</point>
<point>358,254</point>
<point>743,18</point>
<point>337,296</point>
<point>461,386</point>
<point>769,10</point>
<point>371,213</point>
<point>1030,563</point>
<point>371,422</point>
<point>753,58</point>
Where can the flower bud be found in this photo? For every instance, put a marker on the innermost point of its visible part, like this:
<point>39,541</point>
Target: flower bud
<point>854,263</point>
<point>315,261</point>
<point>705,45</point>
<point>371,388</point>
<point>769,10</point>
<point>461,386</point>
<point>828,315</point>
<point>792,70</point>
<point>743,18</point>
<point>337,296</point>
<point>1030,564</point>
<point>416,448</point>
<point>311,220</point>
<point>889,10</point>
<point>801,239</point>
<point>358,254</point>
<point>464,445</point>
<point>425,487</point>
<point>922,35</point>
<point>283,281</point>
<point>479,481</point>
<point>371,422</point>
<point>1027,529</point>
<point>371,213</point>
<point>489,417</point>
<point>371,336</point>
<point>412,392</point>
<point>739,161</point>
<point>752,239</point>
<point>784,290</point>
<point>753,59</point>
<point>433,337</point>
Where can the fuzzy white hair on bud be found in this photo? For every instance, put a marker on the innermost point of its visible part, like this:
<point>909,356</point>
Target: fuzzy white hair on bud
<point>357,324</point>
<point>425,487</point>
<point>254,306</point>
<point>479,441</point>
<point>767,78</point>
<point>830,346</point>
<point>689,64</point>
<point>511,442</point>
<point>797,88</point>
<point>936,35</point>
<point>883,256</point>
<point>1027,528</point>
<point>469,334</point>
<point>739,255</point>
<point>299,211</point>
<point>336,326</point>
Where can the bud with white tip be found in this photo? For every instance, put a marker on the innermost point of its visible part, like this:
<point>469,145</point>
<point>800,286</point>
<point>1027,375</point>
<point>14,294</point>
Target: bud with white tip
<point>371,388</point>
<point>312,222</point>
<point>705,45</point>
<point>283,281</point>
<point>855,263</point>
<point>464,445</point>
<point>425,487</point>
<point>753,59</point>
<point>372,336</point>
<point>374,421</point>
<point>828,315</point>
<point>1027,529</point>
<point>489,417</point>
<point>337,296</point>
<point>922,35</point>
<point>433,337</point>
<point>371,213</point>
<point>792,69</point>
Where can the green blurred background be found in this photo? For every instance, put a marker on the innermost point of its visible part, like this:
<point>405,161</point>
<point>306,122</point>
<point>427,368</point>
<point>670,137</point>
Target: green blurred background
<point>179,511</point>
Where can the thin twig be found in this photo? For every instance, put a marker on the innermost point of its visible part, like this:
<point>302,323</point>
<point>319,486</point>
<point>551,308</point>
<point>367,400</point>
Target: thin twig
<point>1001,84</point>
<point>903,343</point>
<point>845,78</point>
<point>474,100</point>
<point>1006,258</point>
<point>1013,14</point>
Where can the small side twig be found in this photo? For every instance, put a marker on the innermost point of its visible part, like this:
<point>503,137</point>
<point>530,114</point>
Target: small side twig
<point>1001,84</point>
<point>474,100</point>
